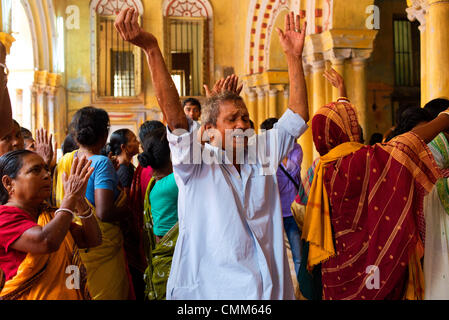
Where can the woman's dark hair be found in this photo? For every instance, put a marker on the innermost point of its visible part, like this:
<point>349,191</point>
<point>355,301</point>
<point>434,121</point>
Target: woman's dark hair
<point>269,123</point>
<point>149,126</point>
<point>118,138</point>
<point>10,165</point>
<point>436,106</point>
<point>89,125</point>
<point>69,144</point>
<point>409,119</point>
<point>156,150</point>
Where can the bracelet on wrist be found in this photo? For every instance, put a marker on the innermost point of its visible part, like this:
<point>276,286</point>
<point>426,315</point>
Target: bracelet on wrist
<point>83,215</point>
<point>66,211</point>
<point>343,98</point>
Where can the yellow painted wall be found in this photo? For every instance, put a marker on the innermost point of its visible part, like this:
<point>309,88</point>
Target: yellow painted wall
<point>229,23</point>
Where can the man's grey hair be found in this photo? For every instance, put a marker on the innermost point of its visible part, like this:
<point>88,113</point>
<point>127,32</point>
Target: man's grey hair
<point>211,109</point>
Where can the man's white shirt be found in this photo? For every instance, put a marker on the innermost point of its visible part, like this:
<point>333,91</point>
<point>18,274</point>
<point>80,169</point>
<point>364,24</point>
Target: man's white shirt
<point>231,243</point>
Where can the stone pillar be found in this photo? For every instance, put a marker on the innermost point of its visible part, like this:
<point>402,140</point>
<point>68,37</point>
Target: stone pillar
<point>261,106</point>
<point>33,90</point>
<point>359,90</point>
<point>19,106</point>
<point>306,140</point>
<point>252,104</point>
<point>272,103</point>
<point>51,116</point>
<point>319,91</point>
<point>437,52</point>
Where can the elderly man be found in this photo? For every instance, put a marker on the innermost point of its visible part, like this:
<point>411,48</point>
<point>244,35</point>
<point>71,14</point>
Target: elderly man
<point>230,243</point>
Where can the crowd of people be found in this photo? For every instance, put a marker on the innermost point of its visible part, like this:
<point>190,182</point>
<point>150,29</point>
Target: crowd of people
<point>200,219</point>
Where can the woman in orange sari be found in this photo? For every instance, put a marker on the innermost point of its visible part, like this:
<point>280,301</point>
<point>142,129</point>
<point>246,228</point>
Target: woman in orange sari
<point>37,243</point>
<point>361,215</point>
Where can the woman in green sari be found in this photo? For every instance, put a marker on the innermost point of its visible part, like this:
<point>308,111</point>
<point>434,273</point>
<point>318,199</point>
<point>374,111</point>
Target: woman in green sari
<point>160,213</point>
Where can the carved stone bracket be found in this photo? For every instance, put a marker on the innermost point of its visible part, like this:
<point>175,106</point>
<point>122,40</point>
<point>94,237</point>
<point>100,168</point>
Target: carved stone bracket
<point>417,10</point>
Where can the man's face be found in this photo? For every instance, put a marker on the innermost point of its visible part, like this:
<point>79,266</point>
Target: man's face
<point>12,141</point>
<point>234,121</point>
<point>192,111</point>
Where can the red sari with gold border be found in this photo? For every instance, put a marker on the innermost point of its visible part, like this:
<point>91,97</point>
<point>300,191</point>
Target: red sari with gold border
<point>374,196</point>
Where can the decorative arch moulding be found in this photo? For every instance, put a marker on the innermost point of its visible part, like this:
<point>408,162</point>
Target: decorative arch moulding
<point>113,7</point>
<point>187,8</point>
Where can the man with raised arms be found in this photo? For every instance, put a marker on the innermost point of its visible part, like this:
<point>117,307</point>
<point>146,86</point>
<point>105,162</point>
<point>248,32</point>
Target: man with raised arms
<point>230,243</point>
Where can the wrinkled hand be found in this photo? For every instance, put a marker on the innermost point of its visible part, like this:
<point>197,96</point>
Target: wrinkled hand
<point>231,83</point>
<point>44,146</point>
<point>292,39</point>
<point>334,78</point>
<point>129,29</point>
<point>75,185</point>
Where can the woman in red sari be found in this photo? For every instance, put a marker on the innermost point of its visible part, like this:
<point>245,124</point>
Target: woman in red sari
<point>361,215</point>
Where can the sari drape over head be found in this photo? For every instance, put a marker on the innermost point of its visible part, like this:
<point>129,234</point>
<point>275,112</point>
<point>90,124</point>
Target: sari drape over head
<point>107,277</point>
<point>370,212</point>
<point>56,276</point>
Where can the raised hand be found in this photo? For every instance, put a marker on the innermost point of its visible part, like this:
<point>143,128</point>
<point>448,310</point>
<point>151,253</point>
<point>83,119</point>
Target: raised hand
<point>292,39</point>
<point>129,29</point>
<point>44,146</point>
<point>231,83</point>
<point>75,185</point>
<point>336,80</point>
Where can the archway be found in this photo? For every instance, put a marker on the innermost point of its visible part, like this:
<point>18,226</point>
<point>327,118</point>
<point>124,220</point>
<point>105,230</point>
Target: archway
<point>21,63</point>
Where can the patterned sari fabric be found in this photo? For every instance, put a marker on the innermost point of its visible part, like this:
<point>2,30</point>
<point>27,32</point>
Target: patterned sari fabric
<point>107,269</point>
<point>159,255</point>
<point>133,233</point>
<point>373,194</point>
<point>44,277</point>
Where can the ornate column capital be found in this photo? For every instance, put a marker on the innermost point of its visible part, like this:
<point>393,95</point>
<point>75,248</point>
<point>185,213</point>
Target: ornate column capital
<point>250,92</point>
<point>337,56</point>
<point>359,57</point>
<point>417,10</point>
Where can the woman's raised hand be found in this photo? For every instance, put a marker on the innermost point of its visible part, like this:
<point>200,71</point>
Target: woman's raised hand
<point>75,185</point>
<point>44,146</point>
<point>293,37</point>
<point>127,25</point>
<point>334,78</point>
